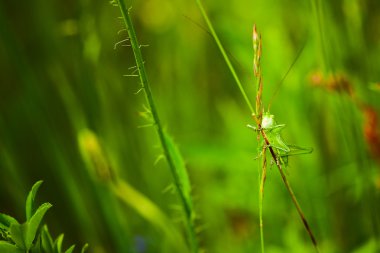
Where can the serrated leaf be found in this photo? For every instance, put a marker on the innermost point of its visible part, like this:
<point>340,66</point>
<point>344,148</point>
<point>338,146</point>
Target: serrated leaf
<point>30,199</point>
<point>46,240</point>
<point>34,223</point>
<point>84,248</point>
<point>6,220</point>
<point>6,247</point>
<point>58,243</point>
<point>69,250</point>
<point>18,232</point>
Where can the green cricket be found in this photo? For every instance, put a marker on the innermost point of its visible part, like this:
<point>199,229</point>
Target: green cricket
<point>266,121</point>
<point>273,133</point>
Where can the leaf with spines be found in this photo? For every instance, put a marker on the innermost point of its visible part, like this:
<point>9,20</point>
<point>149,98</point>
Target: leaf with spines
<point>172,154</point>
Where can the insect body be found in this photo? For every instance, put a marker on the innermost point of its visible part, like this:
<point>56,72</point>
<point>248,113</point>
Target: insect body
<point>273,133</point>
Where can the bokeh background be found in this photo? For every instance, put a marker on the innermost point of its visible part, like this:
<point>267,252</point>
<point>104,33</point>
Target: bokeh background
<point>62,85</point>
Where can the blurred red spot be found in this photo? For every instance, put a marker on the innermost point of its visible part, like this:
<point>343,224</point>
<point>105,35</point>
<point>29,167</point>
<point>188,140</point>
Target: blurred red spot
<point>372,131</point>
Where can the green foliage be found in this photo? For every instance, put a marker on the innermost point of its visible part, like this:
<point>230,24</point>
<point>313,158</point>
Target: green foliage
<point>7,247</point>
<point>62,77</point>
<point>30,199</point>
<point>26,237</point>
<point>180,170</point>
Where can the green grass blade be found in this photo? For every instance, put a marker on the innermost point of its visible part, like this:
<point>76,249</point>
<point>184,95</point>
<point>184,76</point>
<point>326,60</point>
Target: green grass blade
<point>144,207</point>
<point>225,55</point>
<point>100,169</point>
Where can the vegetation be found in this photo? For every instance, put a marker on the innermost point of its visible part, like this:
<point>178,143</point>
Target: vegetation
<point>131,116</point>
<point>25,237</point>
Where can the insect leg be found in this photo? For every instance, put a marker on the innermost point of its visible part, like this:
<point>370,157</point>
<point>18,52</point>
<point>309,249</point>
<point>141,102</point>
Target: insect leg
<point>253,128</point>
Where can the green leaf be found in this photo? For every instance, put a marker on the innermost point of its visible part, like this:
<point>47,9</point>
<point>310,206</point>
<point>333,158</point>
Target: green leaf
<point>46,240</point>
<point>6,247</point>
<point>70,250</point>
<point>18,232</point>
<point>6,221</point>
<point>58,243</point>
<point>37,248</point>
<point>34,223</point>
<point>85,247</point>
<point>180,173</point>
<point>30,199</point>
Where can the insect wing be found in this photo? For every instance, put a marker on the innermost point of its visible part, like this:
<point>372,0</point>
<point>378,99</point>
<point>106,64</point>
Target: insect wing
<point>276,140</point>
<point>297,150</point>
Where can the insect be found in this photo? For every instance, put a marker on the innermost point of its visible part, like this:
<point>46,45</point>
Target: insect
<point>273,133</point>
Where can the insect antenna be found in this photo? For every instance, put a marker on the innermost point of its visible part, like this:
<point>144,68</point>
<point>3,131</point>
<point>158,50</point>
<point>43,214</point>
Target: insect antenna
<point>278,86</point>
<point>233,58</point>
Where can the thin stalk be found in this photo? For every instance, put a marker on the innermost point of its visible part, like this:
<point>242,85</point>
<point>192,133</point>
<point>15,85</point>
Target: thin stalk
<point>185,198</point>
<point>225,55</point>
<point>317,9</point>
<point>256,39</point>
<point>261,197</point>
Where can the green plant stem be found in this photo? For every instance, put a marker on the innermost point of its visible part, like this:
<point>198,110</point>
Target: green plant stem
<point>317,9</point>
<point>225,56</point>
<point>261,198</point>
<point>186,201</point>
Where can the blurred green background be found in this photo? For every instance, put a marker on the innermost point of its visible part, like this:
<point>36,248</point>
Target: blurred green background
<point>62,74</point>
